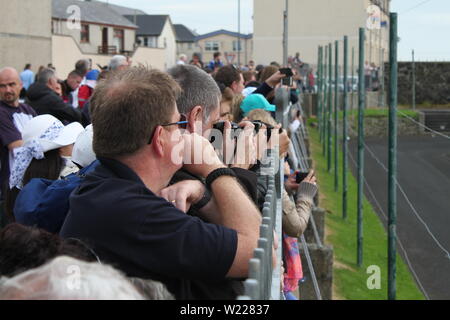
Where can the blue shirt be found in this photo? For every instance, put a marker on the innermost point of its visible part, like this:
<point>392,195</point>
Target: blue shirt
<point>145,236</point>
<point>27,78</point>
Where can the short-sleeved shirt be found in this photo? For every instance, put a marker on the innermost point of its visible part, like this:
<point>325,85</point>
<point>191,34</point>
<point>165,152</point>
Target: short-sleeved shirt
<point>145,236</point>
<point>13,120</point>
<point>27,78</point>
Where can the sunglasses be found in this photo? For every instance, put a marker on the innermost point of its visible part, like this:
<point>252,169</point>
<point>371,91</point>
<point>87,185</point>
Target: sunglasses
<point>182,124</point>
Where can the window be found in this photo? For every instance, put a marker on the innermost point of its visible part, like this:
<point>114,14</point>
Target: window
<point>211,46</point>
<point>237,45</point>
<point>84,33</point>
<point>145,41</point>
<point>190,45</point>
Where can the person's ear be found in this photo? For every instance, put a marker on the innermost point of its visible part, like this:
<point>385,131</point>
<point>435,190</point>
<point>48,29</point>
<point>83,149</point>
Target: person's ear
<point>195,116</point>
<point>158,141</point>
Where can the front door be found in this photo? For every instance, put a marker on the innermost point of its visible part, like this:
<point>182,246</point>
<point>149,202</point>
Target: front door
<point>105,40</point>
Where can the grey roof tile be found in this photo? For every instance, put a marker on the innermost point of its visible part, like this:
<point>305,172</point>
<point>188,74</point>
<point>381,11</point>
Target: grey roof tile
<point>91,11</point>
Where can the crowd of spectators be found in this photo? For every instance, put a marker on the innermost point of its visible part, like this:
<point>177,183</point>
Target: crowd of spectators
<point>149,182</point>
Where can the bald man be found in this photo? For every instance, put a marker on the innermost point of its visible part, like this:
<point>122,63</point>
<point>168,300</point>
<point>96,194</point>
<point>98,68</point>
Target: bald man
<point>14,117</point>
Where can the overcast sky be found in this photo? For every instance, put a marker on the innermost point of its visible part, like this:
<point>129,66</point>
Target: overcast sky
<point>424,25</point>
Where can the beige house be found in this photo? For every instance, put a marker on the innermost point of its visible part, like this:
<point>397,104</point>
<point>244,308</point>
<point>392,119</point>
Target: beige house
<point>156,31</point>
<point>317,23</point>
<point>25,33</point>
<point>227,43</point>
<point>100,29</point>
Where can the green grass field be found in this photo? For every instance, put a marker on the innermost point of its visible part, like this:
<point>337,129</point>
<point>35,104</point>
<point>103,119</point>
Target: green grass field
<point>350,280</point>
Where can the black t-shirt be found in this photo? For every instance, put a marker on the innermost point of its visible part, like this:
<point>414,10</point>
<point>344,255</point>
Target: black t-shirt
<point>145,236</point>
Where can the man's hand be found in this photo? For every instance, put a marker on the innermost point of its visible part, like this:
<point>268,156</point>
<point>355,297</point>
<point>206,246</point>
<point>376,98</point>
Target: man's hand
<point>184,194</point>
<point>245,156</point>
<point>200,158</point>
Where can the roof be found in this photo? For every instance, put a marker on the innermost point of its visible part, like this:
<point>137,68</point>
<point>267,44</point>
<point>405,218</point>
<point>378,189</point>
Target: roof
<point>125,10</point>
<point>184,34</point>
<point>226,32</point>
<point>149,25</point>
<point>91,11</point>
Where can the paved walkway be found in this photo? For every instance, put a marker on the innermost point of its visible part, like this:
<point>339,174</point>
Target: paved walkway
<point>424,176</point>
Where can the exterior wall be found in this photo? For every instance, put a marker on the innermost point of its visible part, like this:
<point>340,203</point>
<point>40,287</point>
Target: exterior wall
<point>60,27</point>
<point>226,47</point>
<point>66,52</point>
<point>25,37</point>
<point>183,47</point>
<point>167,41</point>
<point>312,23</point>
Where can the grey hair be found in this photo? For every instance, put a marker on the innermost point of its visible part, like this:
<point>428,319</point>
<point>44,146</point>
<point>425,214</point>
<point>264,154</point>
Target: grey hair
<point>45,75</point>
<point>199,89</point>
<point>116,62</point>
<point>66,278</point>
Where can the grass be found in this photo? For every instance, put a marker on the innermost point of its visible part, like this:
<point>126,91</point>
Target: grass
<point>381,112</point>
<point>350,280</point>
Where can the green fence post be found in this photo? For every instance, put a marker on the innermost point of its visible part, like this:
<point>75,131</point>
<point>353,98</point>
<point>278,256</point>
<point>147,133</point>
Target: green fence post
<point>330,108</point>
<point>361,108</point>
<point>319,93</point>
<point>336,114</point>
<point>324,100</point>
<point>353,77</point>
<point>345,133</point>
<point>392,195</point>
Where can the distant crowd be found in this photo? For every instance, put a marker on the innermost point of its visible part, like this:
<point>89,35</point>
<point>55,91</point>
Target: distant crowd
<point>116,177</point>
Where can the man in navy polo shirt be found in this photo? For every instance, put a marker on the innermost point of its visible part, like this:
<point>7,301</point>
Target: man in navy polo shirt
<point>14,117</point>
<point>118,211</point>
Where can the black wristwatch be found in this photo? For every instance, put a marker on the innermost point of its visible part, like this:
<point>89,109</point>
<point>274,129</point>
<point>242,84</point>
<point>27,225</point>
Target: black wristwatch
<point>218,173</point>
<point>203,201</point>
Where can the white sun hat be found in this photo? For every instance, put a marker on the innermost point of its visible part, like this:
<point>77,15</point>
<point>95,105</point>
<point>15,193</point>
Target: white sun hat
<point>83,153</point>
<point>42,133</point>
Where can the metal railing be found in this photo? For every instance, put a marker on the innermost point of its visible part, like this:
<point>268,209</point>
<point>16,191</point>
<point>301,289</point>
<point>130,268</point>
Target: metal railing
<point>264,281</point>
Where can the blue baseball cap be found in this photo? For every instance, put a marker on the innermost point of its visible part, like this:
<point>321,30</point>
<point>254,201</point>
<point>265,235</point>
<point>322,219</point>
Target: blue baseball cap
<point>256,101</point>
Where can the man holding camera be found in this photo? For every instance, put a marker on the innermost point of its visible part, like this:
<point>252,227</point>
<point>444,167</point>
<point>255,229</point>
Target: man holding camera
<point>119,210</point>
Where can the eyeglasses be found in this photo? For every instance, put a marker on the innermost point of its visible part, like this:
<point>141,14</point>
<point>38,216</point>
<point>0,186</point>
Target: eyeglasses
<point>182,124</point>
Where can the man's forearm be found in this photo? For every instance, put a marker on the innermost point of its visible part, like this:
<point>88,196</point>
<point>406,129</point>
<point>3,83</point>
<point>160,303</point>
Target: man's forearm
<point>237,211</point>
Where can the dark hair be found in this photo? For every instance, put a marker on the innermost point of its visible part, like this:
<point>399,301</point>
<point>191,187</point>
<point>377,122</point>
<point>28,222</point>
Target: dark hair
<point>227,75</point>
<point>23,248</point>
<point>266,73</point>
<point>82,66</point>
<point>27,66</point>
<point>75,73</point>
<point>128,106</point>
<point>48,168</point>
<point>248,75</point>
<point>217,54</point>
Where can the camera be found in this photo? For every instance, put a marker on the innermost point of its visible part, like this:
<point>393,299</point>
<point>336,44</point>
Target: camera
<point>301,176</point>
<point>288,80</point>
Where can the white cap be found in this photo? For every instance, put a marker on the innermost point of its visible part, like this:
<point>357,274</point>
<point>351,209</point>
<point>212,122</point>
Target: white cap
<point>83,152</point>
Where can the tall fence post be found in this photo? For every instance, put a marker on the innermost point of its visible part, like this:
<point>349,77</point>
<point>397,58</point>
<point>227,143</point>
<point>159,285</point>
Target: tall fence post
<point>392,195</point>
<point>336,115</point>
<point>319,91</point>
<point>361,108</point>
<point>413,82</point>
<point>353,81</point>
<point>344,132</point>
<point>325,99</point>
<point>330,108</point>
